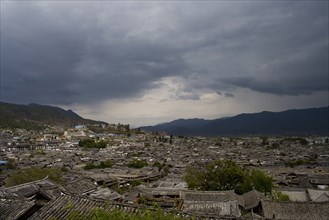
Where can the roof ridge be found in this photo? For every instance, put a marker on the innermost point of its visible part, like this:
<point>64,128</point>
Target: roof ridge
<point>293,202</point>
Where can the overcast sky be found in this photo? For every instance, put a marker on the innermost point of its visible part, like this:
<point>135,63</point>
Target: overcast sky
<point>149,62</point>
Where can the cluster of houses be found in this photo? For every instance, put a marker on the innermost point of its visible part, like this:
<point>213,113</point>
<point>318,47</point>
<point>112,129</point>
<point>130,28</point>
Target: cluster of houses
<point>299,167</point>
<point>44,199</point>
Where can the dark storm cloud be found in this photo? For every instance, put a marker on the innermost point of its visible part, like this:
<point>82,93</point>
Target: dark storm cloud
<point>292,56</point>
<point>47,60</point>
<point>278,50</point>
<point>228,95</point>
<point>82,52</point>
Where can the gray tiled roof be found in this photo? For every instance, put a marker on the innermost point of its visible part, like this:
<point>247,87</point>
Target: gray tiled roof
<point>228,208</point>
<point>105,194</point>
<point>318,195</point>
<point>252,198</point>
<point>26,189</point>
<point>62,207</point>
<point>296,196</point>
<point>218,196</point>
<point>78,187</point>
<point>295,210</point>
<point>14,208</point>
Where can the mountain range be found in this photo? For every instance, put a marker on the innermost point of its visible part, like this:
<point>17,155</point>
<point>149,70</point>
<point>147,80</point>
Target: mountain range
<point>35,116</point>
<point>312,121</point>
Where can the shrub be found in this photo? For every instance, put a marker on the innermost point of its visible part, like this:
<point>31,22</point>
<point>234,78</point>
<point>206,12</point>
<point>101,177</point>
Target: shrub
<point>90,143</point>
<point>32,174</point>
<point>279,196</point>
<point>101,165</point>
<point>135,163</point>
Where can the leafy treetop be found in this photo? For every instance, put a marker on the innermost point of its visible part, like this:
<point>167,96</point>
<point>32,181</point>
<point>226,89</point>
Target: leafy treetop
<point>227,175</point>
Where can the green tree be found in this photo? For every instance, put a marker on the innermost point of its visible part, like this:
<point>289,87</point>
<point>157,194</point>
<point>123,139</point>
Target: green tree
<point>261,182</point>
<point>246,184</point>
<point>86,143</point>
<point>264,141</point>
<point>90,143</point>
<point>194,177</point>
<point>158,165</point>
<point>293,163</point>
<point>227,175</point>
<point>218,175</point>
<point>135,163</point>
<point>135,183</point>
<point>165,169</point>
<point>303,141</point>
<point>101,165</point>
<point>275,145</point>
<point>223,175</point>
<point>108,163</point>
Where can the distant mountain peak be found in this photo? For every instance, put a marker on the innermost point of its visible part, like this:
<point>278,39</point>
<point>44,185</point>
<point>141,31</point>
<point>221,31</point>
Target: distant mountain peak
<point>312,121</point>
<point>33,104</point>
<point>34,116</point>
